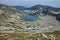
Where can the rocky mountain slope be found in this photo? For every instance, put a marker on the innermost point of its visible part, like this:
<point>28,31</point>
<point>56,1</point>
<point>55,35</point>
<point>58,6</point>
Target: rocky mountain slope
<point>10,19</point>
<point>13,27</point>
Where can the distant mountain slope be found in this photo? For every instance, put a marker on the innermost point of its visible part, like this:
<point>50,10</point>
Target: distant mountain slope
<point>34,7</point>
<point>19,7</point>
<point>37,7</point>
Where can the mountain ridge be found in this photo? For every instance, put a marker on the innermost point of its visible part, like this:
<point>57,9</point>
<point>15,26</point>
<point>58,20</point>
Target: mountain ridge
<point>36,7</point>
<point>19,7</point>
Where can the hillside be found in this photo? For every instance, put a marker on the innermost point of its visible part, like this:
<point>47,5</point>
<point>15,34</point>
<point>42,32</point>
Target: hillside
<point>10,19</point>
<point>14,27</point>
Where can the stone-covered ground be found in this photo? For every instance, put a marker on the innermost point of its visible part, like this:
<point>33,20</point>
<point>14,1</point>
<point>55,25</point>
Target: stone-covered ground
<point>28,36</point>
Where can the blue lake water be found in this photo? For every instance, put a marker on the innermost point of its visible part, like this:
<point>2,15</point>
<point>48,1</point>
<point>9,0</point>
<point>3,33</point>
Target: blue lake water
<point>30,18</point>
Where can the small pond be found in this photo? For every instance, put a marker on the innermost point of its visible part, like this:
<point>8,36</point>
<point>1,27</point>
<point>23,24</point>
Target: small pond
<point>30,18</point>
